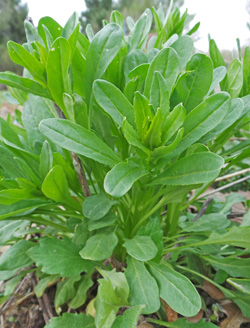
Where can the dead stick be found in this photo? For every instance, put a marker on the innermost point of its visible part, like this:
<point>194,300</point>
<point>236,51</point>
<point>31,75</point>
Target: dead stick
<point>224,187</point>
<point>41,303</point>
<point>228,176</point>
<point>203,208</point>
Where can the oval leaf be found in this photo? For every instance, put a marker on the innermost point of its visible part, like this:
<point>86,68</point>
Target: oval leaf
<point>142,248</point>
<point>97,206</point>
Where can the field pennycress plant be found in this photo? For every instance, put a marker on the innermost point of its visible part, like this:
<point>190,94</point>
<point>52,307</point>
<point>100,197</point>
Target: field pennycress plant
<point>115,133</point>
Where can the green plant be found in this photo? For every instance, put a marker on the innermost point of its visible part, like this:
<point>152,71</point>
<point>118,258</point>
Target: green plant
<point>137,130</point>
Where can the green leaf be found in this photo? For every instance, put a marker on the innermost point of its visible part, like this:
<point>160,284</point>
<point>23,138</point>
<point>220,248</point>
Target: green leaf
<point>24,84</point>
<point>234,78</point>
<point>118,281</point>
<point>22,57</point>
<point>236,236</point>
<point>141,29</point>
<point>159,94</point>
<point>173,122</point>
<point>235,267</point>
<point>78,70</point>
<point>135,58</point>
<point>181,323</point>
<point>193,169</point>
<point>97,206</point>
<point>8,267</point>
<point>143,287</point>
<point>10,196</point>
<point>153,135</point>
<point>79,140</point>
<point>166,62</point>
<point>113,101</point>
<point>234,113</point>
<point>231,200</point>
<point>246,71</point>
<point>203,119</point>
<point>184,46</point>
<point>176,290</point>
<point>243,285</point>
<point>55,186</point>
<point>81,292</point>
<point>34,111</point>
<point>215,55</point>
<point>102,50</point>
<point>121,178</point>
<point>70,25</point>
<point>81,233</point>
<point>59,256</point>
<point>108,220</point>
<point>142,112</point>
<point>107,304</point>
<point>142,248</point>
<point>71,320</point>
<point>219,74</point>
<point>193,85</point>
<point>133,138</point>
<point>57,71</point>
<point>11,229</point>
<point>129,318</point>
<point>209,222</point>
<point>44,283</point>
<point>246,220</point>
<point>53,27</point>
<point>23,206</point>
<point>46,159</point>
<point>65,290</point>
<point>100,246</point>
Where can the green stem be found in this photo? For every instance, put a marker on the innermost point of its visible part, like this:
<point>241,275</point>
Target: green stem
<point>161,203</point>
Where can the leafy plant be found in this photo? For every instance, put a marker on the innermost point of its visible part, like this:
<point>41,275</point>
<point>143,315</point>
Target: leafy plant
<point>114,131</point>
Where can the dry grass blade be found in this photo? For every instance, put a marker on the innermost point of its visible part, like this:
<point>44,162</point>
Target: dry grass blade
<point>171,314</point>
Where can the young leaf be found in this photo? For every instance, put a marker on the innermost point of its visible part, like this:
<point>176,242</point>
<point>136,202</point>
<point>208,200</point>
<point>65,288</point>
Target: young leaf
<point>193,169</point>
<point>176,290</point>
<point>81,141</point>
<point>215,54</point>
<point>142,248</point>
<point>173,122</point>
<point>22,57</point>
<point>135,58</point>
<point>231,200</point>
<point>246,71</point>
<point>153,135</point>
<point>193,85</point>
<point>166,62</point>
<point>113,101</point>
<point>97,206</point>
<point>203,119</point>
<point>59,256</point>
<point>57,71</point>
<point>184,47</point>
<point>121,178</point>
<point>46,159</point>
<point>141,30</point>
<point>108,220</point>
<point>219,74</point>
<point>234,78</point>
<point>100,246</point>
<point>143,287</point>
<point>142,112</point>
<point>70,25</point>
<point>102,50</point>
<point>159,94</point>
<point>71,320</point>
<point>53,27</point>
